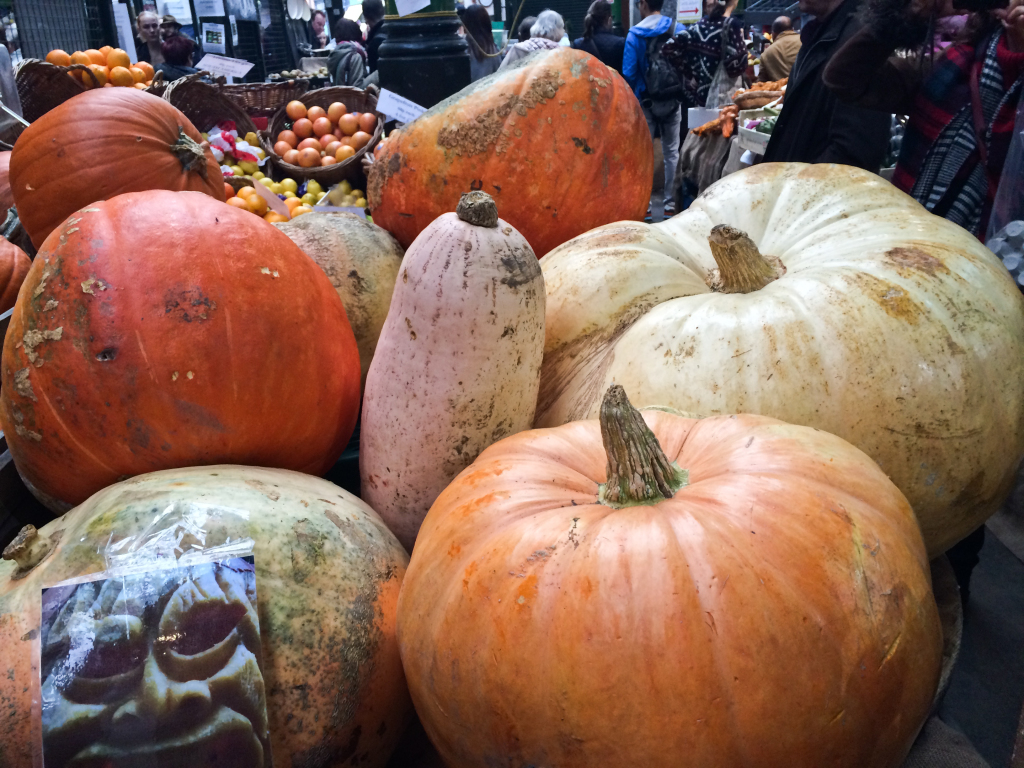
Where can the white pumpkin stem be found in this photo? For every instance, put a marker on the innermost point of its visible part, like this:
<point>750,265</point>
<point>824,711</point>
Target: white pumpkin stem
<point>639,472</point>
<point>27,549</point>
<point>190,153</point>
<point>741,267</point>
<point>478,209</point>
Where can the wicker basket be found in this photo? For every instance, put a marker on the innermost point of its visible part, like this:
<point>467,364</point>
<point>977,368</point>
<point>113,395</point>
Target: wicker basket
<point>43,86</point>
<point>205,105</point>
<point>357,101</point>
<point>264,99</point>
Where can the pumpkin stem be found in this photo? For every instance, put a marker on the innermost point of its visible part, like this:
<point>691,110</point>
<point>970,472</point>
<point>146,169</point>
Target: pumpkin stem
<point>190,154</point>
<point>639,472</point>
<point>741,267</point>
<point>27,549</point>
<point>478,208</point>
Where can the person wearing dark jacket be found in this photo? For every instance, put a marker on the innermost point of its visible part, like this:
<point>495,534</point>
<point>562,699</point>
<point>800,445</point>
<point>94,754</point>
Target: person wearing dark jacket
<point>147,44</point>
<point>598,39</point>
<point>177,53</point>
<point>373,15</point>
<point>484,57</point>
<point>696,52</point>
<point>815,126</point>
<point>347,62</point>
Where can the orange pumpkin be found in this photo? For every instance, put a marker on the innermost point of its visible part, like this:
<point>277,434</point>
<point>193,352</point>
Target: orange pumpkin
<point>161,329</point>
<point>14,266</point>
<point>6,198</point>
<point>560,142</point>
<point>754,594</point>
<point>103,143</point>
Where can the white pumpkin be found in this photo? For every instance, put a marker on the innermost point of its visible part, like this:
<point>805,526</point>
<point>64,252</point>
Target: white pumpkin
<point>871,319</point>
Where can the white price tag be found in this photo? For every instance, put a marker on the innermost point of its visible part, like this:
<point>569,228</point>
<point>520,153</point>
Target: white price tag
<point>397,107</point>
<point>223,65</point>
<point>405,7</point>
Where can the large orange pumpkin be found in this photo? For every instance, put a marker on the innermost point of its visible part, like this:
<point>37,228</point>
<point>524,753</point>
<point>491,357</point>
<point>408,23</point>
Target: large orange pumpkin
<point>14,266</point>
<point>100,144</point>
<point>162,329</point>
<point>558,140</point>
<point>757,594</point>
<point>6,198</point>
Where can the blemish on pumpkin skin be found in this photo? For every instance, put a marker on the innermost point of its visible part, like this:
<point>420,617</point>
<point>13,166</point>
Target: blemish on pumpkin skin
<point>23,386</point>
<point>93,282</point>
<point>915,260</point>
<point>890,297</point>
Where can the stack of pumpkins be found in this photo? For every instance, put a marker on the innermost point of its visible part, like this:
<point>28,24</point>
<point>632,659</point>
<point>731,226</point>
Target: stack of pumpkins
<point>593,584</point>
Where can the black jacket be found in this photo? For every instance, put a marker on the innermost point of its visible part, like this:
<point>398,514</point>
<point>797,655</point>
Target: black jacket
<point>815,127</point>
<point>606,46</point>
<point>374,37</point>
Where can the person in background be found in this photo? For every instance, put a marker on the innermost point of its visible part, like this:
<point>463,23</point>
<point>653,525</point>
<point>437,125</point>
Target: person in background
<point>815,126</point>
<point>598,39</point>
<point>524,28</point>
<point>654,28</point>
<point>544,34</point>
<point>318,27</point>
<point>169,26</point>
<point>483,53</point>
<point>777,59</point>
<point>347,62</point>
<point>177,53</point>
<point>697,51</point>
<point>147,46</point>
<point>373,15</point>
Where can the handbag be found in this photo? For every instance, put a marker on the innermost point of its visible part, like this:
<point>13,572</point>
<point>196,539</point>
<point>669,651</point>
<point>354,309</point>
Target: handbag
<point>722,87</point>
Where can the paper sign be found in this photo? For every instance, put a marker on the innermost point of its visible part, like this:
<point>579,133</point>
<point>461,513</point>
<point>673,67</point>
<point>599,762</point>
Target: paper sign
<point>179,9</point>
<point>405,7</point>
<point>234,30</point>
<point>223,65</point>
<point>688,11</point>
<point>397,107</point>
<point>124,30</point>
<point>209,8</point>
<point>275,202</point>
<point>213,40</point>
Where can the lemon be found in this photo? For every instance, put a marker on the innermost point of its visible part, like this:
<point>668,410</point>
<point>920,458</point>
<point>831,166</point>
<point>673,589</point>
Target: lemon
<point>320,195</point>
<point>259,175</point>
<point>289,185</point>
<point>358,193</point>
<point>276,188</point>
<point>287,192</point>
<point>345,187</point>
<point>205,136</point>
<point>259,153</point>
<point>252,138</point>
<point>268,183</point>
<point>236,170</point>
<point>313,187</point>
<point>361,202</point>
<point>308,199</point>
<point>247,167</point>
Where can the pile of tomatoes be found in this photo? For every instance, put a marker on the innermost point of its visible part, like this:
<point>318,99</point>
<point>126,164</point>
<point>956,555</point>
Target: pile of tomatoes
<point>110,66</point>
<point>321,136</point>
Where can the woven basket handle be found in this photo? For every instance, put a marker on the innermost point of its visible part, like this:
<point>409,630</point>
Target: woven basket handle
<point>83,68</point>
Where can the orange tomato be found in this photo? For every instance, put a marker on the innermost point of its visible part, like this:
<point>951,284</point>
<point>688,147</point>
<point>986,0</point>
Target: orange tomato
<point>335,111</point>
<point>303,128</point>
<point>292,202</point>
<point>315,113</point>
<point>368,122</point>
<point>344,152</point>
<point>257,204</point>
<point>147,69</point>
<point>137,74</point>
<point>309,157</point>
<point>361,139</point>
<point>96,57</point>
<point>106,49</point>
<point>291,157</point>
<point>246,193</point>
<point>288,137</point>
<point>239,202</point>
<point>59,57</point>
<point>108,85</point>
<point>301,210</point>
<point>274,217</point>
<point>229,191</point>
<point>80,58</point>
<point>349,124</point>
<point>148,83</point>
<point>118,58</point>
<point>141,86</point>
<point>295,110</point>
<point>281,147</point>
<point>120,76</point>
<point>322,126</point>
<point>309,144</point>
<point>331,148</point>
<point>328,160</point>
<point>99,72</point>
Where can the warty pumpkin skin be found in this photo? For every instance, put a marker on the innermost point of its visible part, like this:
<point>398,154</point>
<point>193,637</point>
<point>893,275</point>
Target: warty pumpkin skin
<point>890,328</point>
<point>100,144</point>
<point>14,266</point>
<point>328,573</point>
<point>775,612</point>
<point>164,329</point>
<point>558,139</point>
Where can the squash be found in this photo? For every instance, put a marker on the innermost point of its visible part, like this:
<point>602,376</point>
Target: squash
<point>690,593</point>
<point>6,198</point>
<point>458,363</point>
<point>362,262</point>
<point>559,140</point>
<point>165,329</point>
<point>886,326</point>
<point>14,266</point>
<point>100,144</point>
<point>328,575</point>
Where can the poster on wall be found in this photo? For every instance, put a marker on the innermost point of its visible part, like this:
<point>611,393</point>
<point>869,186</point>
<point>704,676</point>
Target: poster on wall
<point>123,21</point>
<point>213,38</point>
<point>209,8</point>
<point>688,12</point>
<point>243,10</point>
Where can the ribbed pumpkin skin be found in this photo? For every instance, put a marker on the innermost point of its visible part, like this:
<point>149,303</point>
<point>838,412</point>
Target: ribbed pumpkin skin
<point>328,574</point>
<point>14,266</point>
<point>559,141</point>
<point>97,145</point>
<point>776,612</point>
<point>6,198</point>
<point>190,333</point>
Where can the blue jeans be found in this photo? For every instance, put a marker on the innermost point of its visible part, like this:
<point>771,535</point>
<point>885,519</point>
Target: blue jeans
<point>669,143</point>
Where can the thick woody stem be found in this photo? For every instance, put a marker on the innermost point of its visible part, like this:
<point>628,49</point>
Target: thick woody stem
<point>27,549</point>
<point>638,470</point>
<point>190,153</point>
<point>478,208</point>
<point>741,267</point>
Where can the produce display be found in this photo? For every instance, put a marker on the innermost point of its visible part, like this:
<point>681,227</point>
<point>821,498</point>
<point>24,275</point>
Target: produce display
<point>318,136</point>
<point>888,326</point>
<point>724,124</point>
<point>159,330</point>
<point>458,362</point>
<point>112,141</point>
<point>328,575</point>
<point>558,140</point>
<point>14,266</point>
<point>298,74</point>
<point>670,592</point>
<point>760,94</point>
<point>6,198</point>
<point>107,67</point>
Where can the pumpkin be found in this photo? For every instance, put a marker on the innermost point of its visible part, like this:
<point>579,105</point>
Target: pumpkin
<point>886,325</point>
<point>559,140</point>
<point>458,363</point>
<point>165,329</point>
<point>362,262</point>
<point>671,592</point>
<point>14,265</point>
<point>103,143</point>
<point>328,575</point>
<point>6,198</point>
